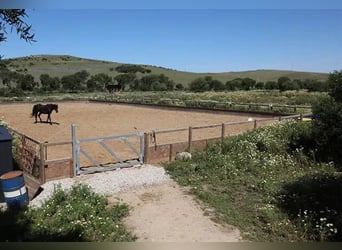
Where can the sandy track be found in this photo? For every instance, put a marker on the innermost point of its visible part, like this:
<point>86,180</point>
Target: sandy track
<point>164,213</point>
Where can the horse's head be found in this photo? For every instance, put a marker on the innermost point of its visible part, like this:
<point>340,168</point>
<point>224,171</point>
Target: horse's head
<point>55,106</point>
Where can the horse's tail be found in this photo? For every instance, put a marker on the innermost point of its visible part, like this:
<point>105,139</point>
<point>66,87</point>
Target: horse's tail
<point>34,110</point>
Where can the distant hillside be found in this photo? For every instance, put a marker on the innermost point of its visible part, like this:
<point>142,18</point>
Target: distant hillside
<point>60,65</point>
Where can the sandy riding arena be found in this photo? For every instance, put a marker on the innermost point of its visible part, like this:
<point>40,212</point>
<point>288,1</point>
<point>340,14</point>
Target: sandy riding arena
<point>160,209</point>
<point>102,119</point>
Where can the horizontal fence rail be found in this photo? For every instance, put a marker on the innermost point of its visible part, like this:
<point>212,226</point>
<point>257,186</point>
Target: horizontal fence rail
<point>212,104</point>
<point>155,152</point>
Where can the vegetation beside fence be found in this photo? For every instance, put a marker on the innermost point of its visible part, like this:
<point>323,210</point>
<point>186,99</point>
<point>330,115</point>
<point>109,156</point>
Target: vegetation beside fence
<point>267,183</point>
<point>271,100</point>
<point>193,138</point>
<point>253,101</point>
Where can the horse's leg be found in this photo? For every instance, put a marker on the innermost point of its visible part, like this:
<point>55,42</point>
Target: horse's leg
<point>35,116</point>
<point>49,118</point>
<point>40,117</point>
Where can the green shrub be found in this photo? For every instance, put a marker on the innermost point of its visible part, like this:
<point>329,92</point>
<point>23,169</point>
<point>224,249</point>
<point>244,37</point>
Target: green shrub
<point>245,180</point>
<point>75,215</point>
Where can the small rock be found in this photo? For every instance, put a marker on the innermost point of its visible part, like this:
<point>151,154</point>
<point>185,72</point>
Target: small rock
<point>183,156</point>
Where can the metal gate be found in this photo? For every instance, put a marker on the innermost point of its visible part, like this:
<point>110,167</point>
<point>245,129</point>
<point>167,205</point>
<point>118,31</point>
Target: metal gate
<point>134,157</point>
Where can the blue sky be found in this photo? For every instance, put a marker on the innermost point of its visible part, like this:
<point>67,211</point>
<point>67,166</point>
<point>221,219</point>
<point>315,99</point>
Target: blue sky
<point>198,39</point>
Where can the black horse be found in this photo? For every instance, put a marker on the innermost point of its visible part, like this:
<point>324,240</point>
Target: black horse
<point>39,109</point>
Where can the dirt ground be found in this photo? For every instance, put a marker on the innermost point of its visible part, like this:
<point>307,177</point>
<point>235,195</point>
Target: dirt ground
<point>102,119</point>
<point>165,213</point>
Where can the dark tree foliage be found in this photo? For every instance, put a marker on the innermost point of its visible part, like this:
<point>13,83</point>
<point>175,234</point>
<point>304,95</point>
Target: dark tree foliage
<point>153,83</point>
<point>206,83</point>
<point>271,85</point>
<point>75,81</point>
<point>247,83</point>
<point>327,123</point>
<point>179,86</point>
<point>125,79</point>
<point>26,82</point>
<point>49,83</point>
<point>234,84</point>
<point>13,19</point>
<point>260,85</point>
<point>131,68</point>
<point>199,85</point>
<point>99,82</point>
<point>335,84</point>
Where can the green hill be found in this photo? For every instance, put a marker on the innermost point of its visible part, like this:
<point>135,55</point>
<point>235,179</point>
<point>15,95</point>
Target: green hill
<point>60,65</point>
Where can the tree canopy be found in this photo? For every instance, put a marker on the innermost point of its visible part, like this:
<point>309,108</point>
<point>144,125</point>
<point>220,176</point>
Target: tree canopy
<point>13,19</point>
<point>327,123</point>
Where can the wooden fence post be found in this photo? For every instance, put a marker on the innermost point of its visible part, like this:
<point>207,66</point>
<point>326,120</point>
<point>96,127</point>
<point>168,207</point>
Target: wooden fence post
<point>255,124</point>
<point>146,147</point>
<point>223,132</point>
<point>190,139</point>
<point>42,162</point>
<point>46,152</point>
<point>170,152</point>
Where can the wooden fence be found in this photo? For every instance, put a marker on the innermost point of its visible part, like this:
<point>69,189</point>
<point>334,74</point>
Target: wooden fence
<point>33,155</point>
<point>156,153</point>
<point>32,159</point>
<point>208,104</point>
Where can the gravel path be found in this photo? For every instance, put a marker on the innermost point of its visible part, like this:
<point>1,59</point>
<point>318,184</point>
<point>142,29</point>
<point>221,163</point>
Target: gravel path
<point>108,183</point>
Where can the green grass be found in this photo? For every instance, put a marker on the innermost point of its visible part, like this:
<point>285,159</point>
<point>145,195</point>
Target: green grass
<point>59,65</point>
<point>266,183</point>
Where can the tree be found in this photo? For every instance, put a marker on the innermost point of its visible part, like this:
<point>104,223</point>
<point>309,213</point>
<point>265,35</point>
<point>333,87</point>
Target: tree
<point>234,84</point>
<point>216,85</point>
<point>125,79</point>
<point>26,82</point>
<point>247,83</point>
<point>199,85</point>
<point>152,83</point>
<point>131,68</point>
<point>179,86</point>
<point>75,81</point>
<point>71,83</point>
<point>99,82</point>
<point>271,85</point>
<point>327,123</point>
<point>335,84</point>
<point>82,76</point>
<point>14,18</point>
<point>260,85</point>
<point>49,83</point>
<point>205,84</point>
<point>284,83</point>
